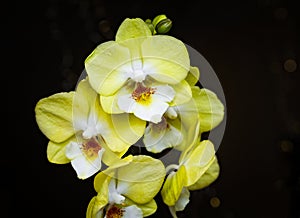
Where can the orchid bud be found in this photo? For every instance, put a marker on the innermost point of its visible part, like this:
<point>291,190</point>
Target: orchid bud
<point>163,26</point>
<point>157,19</point>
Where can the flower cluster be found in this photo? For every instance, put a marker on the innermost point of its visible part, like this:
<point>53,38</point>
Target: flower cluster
<point>138,90</point>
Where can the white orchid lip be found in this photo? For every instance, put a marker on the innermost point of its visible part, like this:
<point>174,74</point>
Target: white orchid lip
<point>91,148</point>
<point>148,103</point>
<point>85,157</point>
<point>160,136</point>
<point>143,94</point>
<point>114,212</point>
<point>123,211</point>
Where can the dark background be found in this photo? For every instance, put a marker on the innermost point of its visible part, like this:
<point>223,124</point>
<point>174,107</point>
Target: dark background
<point>253,46</point>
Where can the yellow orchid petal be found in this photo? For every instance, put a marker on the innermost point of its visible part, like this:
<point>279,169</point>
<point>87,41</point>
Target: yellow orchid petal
<point>148,208</point>
<point>183,93</point>
<point>112,169</point>
<point>87,112</point>
<point>189,123</point>
<point>111,64</point>
<point>132,28</point>
<point>189,132</point>
<point>106,67</point>
<point>204,110</point>
<point>197,161</point>
<point>109,157</point>
<point>141,187</point>
<point>165,59</point>
<point>210,175</point>
<point>95,208</point>
<point>125,130</point>
<point>90,117</point>
<point>211,109</point>
<point>56,152</point>
<point>101,183</point>
<point>85,103</point>
<point>54,116</point>
<point>97,203</point>
<point>193,76</point>
<point>173,185</point>
<point>85,95</point>
<point>110,104</point>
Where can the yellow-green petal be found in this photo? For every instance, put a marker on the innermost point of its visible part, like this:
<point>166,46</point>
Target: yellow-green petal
<point>86,107</point>
<point>197,161</point>
<point>113,167</point>
<point>183,93</point>
<point>142,178</point>
<point>128,128</point>
<point>56,152</point>
<point>54,116</point>
<point>132,28</point>
<point>101,183</point>
<point>106,67</point>
<point>85,102</point>
<point>190,132</point>
<point>165,58</point>
<point>173,185</point>
<point>94,210</point>
<point>110,104</point>
<point>113,159</point>
<point>148,208</point>
<point>211,109</point>
<point>189,123</point>
<point>97,203</point>
<point>210,175</point>
<point>193,76</point>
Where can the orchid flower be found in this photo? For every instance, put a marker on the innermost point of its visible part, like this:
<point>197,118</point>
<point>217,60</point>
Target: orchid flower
<point>120,71</point>
<point>123,193</point>
<point>193,163</point>
<point>202,111</point>
<point>160,133</point>
<point>136,54</point>
<point>168,133</point>
<point>80,132</point>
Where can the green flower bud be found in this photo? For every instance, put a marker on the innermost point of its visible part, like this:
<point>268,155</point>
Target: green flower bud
<point>148,21</point>
<point>157,19</point>
<point>163,26</point>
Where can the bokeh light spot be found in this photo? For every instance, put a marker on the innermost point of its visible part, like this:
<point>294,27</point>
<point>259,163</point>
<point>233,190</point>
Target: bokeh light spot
<point>290,65</point>
<point>215,202</point>
<point>286,146</point>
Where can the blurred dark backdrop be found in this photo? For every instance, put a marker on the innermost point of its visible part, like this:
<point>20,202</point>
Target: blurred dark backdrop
<point>253,46</point>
